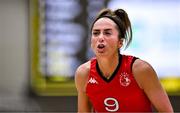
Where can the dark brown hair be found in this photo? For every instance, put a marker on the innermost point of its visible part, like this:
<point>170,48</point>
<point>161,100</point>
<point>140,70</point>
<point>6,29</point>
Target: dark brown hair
<point>120,17</point>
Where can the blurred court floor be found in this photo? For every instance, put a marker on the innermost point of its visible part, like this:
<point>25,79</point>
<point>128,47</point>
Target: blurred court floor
<point>51,104</point>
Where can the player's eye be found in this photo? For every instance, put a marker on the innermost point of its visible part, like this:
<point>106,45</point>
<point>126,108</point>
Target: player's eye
<point>95,33</point>
<point>107,33</point>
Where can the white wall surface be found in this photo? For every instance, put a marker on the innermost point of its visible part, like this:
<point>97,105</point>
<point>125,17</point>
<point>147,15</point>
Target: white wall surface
<point>13,47</point>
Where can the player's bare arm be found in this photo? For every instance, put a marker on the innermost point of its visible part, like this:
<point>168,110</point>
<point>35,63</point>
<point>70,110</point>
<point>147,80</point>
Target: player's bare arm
<point>147,79</point>
<point>81,77</point>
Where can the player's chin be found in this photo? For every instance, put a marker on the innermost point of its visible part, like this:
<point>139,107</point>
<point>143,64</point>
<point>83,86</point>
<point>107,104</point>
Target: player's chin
<point>101,53</point>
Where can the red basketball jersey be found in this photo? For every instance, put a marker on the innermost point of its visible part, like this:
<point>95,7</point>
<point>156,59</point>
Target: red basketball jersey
<point>119,93</point>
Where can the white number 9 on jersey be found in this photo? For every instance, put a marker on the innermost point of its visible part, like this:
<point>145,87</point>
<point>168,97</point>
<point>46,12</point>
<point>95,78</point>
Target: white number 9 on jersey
<point>111,104</point>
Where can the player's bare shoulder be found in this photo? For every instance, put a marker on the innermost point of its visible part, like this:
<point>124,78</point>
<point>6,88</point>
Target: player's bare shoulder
<point>141,66</point>
<point>83,69</point>
<point>81,75</point>
<point>142,72</point>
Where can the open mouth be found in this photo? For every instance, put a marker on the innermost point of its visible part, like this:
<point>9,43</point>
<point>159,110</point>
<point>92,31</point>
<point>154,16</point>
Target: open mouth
<point>100,46</point>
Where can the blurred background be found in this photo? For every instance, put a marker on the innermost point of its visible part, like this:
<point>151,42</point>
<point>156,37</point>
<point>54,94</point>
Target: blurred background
<point>43,41</point>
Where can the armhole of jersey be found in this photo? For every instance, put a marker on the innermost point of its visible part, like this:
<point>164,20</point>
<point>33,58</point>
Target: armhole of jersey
<point>91,60</point>
<point>91,64</point>
<point>89,73</point>
<point>132,62</point>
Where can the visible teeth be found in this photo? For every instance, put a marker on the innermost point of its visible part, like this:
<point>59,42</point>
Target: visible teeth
<point>101,46</point>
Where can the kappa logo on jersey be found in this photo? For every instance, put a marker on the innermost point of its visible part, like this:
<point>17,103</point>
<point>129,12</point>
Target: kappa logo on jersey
<point>124,79</point>
<point>92,81</point>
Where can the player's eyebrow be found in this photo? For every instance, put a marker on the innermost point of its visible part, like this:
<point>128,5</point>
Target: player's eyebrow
<point>108,29</point>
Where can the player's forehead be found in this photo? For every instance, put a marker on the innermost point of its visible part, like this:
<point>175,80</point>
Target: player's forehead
<point>104,23</point>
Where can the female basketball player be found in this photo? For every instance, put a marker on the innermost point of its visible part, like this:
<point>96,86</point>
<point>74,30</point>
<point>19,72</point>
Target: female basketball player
<point>112,82</point>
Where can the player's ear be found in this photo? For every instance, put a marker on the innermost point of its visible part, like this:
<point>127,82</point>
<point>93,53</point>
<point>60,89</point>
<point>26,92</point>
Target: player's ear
<point>120,43</point>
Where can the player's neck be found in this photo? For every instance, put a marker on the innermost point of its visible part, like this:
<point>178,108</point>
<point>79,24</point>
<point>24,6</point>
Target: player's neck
<point>108,65</point>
